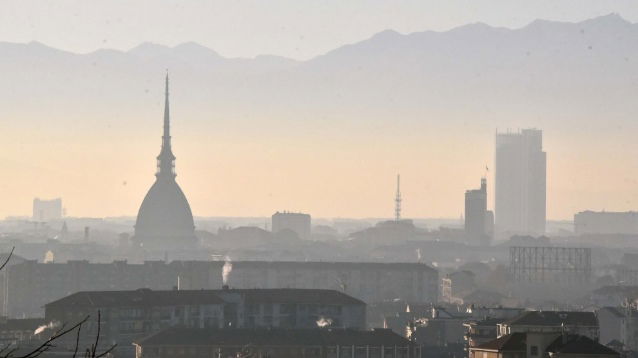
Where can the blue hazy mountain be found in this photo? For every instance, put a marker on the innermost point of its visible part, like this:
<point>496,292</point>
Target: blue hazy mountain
<point>553,74</point>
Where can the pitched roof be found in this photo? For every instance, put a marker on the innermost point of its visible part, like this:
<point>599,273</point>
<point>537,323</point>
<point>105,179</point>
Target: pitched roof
<point>514,342</point>
<point>486,321</point>
<point>577,344</point>
<point>148,297</point>
<point>134,298</point>
<point>554,318</point>
<point>569,344</point>
<point>178,336</point>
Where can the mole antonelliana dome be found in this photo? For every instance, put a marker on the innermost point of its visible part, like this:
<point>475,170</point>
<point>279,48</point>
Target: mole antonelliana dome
<point>165,219</point>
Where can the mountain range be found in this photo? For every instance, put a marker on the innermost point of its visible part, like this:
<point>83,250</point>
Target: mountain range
<point>593,63</point>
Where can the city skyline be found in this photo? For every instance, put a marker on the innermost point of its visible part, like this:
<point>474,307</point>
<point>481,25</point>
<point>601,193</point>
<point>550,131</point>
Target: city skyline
<point>295,178</point>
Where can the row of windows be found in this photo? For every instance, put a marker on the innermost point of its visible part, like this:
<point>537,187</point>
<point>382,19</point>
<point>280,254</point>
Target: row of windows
<point>308,352</point>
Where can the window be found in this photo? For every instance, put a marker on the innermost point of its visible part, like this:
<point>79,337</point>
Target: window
<point>267,320</point>
<point>287,309</point>
<point>252,309</point>
<point>533,350</point>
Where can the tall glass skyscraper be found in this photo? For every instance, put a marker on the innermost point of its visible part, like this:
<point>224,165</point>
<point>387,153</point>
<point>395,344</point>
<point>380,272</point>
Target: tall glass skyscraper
<point>520,183</point>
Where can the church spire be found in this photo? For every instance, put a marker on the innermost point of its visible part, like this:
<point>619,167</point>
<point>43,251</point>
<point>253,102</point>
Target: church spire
<point>166,159</point>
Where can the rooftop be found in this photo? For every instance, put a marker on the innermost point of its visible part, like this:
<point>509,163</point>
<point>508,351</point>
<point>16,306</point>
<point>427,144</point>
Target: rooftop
<point>554,318</point>
<point>486,321</point>
<point>568,344</point>
<point>577,344</point>
<point>148,297</point>
<point>177,336</point>
<point>515,342</point>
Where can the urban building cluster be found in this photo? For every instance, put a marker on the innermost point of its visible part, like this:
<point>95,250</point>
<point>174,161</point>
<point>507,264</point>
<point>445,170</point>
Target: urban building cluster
<point>28,286</point>
<point>133,315</point>
<point>488,285</point>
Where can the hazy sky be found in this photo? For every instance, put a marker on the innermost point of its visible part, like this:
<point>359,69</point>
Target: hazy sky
<point>242,169</point>
<point>243,28</point>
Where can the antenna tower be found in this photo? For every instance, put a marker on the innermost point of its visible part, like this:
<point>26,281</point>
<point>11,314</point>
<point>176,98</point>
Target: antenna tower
<point>397,201</point>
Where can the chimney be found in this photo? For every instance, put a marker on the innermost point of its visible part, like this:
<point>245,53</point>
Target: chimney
<point>563,333</point>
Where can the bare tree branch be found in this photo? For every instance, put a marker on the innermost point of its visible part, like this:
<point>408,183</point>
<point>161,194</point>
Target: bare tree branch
<point>97,336</point>
<point>46,345</point>
<point>7,351</point>
<point>6,347</point>
<point>106,352</point>
<point>77,341</point>
<point>6,261</point>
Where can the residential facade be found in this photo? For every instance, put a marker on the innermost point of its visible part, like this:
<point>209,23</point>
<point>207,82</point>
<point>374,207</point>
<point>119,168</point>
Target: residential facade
<point>26,287</point>
<point>129,315</point>
<point>308,343</point>
<point>539,345</point>
<point>572,322</point>
<point>619,324</point>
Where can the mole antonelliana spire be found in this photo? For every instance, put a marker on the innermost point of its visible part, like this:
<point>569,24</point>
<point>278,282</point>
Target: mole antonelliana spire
<point>166,159</point>
<point>165,219</point>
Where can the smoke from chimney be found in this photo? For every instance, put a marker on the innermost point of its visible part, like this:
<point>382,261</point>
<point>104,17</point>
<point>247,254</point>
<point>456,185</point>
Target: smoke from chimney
<point>228,267</point>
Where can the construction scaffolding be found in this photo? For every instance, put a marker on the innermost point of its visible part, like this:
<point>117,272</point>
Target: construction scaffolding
<point>550,265</point>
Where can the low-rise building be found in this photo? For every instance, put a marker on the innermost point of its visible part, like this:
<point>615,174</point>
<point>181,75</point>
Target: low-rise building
<point>368,281</point>
<point>280,343</point>
<point>619,324</point>
<point>441,334</point>
<point>483,326</point>
<point>508,346</point>
<point>129,315</point>
<point>481,331</point>
<point>551,345</point>
<point>26,287</point>
<point>581,323</point>
<point>606,222</point>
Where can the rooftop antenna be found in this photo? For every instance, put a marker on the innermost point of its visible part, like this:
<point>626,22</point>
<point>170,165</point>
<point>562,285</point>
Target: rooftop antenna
<point>397,200</point>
